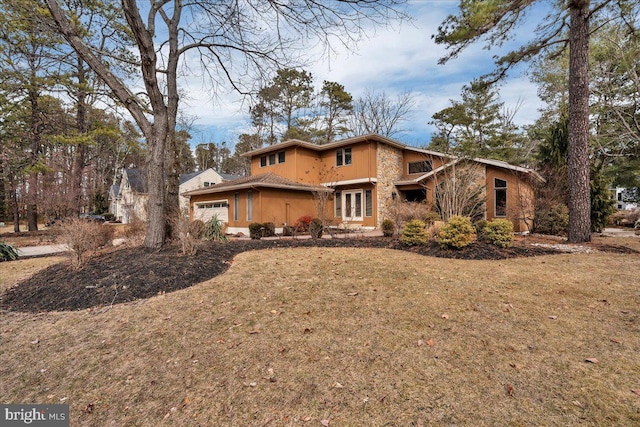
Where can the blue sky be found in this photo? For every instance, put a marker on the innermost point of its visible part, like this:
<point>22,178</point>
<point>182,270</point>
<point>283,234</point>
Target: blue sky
<point>395,59</point>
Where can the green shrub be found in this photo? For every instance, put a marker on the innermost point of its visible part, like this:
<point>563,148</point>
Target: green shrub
<point>457,233</point>
<point>499,232</point>
<point>414,233</point>
<point>214,230</point>
<point>196,229</point>
<point>388,228</point>
<point>480,227</point>
<point>554,221</point>
<point>255,230</point>
<point>269,229</point>
<point>288,230</point>
<point>7,252</point>
<point>315,228</point>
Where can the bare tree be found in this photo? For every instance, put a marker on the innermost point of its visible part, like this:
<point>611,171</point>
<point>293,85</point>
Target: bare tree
<point>460,189</point>
<point>378,113</point>
<point>233,41</point>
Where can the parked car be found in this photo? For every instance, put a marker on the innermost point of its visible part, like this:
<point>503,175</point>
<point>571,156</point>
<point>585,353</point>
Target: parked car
<point>92,217</point>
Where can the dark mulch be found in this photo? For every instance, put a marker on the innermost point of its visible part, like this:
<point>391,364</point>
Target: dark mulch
<point>128,274</point>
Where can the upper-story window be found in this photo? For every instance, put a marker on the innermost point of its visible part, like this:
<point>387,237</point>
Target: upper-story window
<point>272,159</point>
<point>343,156</point>
<point>423,166</point>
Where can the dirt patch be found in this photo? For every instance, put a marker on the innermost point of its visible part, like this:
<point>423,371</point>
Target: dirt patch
<point>128,274</point>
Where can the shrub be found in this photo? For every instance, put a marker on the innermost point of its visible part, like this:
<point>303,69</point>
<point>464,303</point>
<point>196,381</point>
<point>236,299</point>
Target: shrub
<point>214,230</point>
<point>554,220</point>
<point>196,229</point>
<point>414,233</point>
<point>480,227</point>
<point>434,230</point>
<point>82,237</point>
<point>135,229</point>
<point>255,230</point>
<point>269,229</point>
<point>457,233</point>
<point>315,228</point>
<point>302,225</point>
<point>188,241</point>
<point>388,228</point>
<point>288,230</point>
<point>108,216</point>
<point>7,252</point>
<point>499,232</point>
<point>430,217</point>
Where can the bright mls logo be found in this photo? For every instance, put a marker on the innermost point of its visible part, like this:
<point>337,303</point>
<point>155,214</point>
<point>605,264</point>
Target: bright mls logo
<point>34,415</point>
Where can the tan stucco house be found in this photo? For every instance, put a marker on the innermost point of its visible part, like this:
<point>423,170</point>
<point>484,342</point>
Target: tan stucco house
<point>366,176</point>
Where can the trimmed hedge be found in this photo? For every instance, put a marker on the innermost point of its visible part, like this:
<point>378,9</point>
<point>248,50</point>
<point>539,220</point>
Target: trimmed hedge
<point>414,233</point>
<point>499,232</point>
<point>457,233</point>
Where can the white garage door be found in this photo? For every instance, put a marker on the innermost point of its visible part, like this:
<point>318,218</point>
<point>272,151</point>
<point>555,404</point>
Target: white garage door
<point>205,211</point>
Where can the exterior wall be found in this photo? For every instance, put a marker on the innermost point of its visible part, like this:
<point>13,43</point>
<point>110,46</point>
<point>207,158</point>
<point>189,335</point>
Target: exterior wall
<point>209,175</point>
<point>520,198</point>
<point>269,205</point>
<point>363,162</point>
<point>367,221</point>
<point>300,165</point>
<point>390,167</point>
<point>412,156</point>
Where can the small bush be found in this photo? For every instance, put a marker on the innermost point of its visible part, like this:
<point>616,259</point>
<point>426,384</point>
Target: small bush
<point>269,229</point>
<point>188,241</point>
<point>255,230</point>
<point>414,233</point>
<point>135,229</point>
<point>108,216</point>
<point>554,221</point>
<point>499,232</point>
<point>480,227</point>
<point>214,230</point>
<point>457,233</point>
<point>288,230</point>
<point>431,217</point>
<point>434,229</point>
<point>302,225</point>
<point>388,228</point>
<point>7,252</point>
<point>196,229</point>
<point>315,228</point>
<point>82,237</point>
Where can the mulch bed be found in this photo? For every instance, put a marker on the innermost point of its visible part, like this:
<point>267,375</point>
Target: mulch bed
<point>122,275</point>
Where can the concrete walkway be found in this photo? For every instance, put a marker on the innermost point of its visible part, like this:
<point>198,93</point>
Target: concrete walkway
<point>33,251</point>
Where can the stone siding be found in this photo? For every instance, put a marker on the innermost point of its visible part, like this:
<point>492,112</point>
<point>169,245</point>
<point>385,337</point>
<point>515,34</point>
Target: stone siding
<point>390,166</point>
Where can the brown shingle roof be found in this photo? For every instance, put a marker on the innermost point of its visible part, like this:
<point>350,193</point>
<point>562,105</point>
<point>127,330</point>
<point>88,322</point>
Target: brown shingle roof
<point>268,180</point>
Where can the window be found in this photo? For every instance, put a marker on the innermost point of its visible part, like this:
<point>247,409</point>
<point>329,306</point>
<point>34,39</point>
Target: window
<point>272,159</point>
<point>368,203</point>
<point>236,209</point>
<point>249,205</point>
<point>422,166</point>
<point>263,161</point>
<point>353,205</point>
<point>281,157</point>
<point>500,189</point>
<point>213,205</point>
<point>343,156</point>
<point>337,201</point>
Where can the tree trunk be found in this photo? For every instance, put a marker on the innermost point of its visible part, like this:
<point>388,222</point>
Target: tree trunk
<point>156,226</point>
<point>578,162</point>
<point>32,191</point>
<point>16,210</point>
<point>81,124</point>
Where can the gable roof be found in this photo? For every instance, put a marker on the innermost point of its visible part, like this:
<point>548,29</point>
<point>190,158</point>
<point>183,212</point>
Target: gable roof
<point>136,180</point>
<point>496,163</point>
<point>265,180</point>
<point>188,176</point>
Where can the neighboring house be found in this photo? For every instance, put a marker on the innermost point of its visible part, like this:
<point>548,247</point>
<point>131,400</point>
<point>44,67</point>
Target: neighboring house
<point>366,175</point>
<point>114,201</point>
<point>132,196</point>
<point>623,198</point>
<point>200,179</point>
<point>129,198</point>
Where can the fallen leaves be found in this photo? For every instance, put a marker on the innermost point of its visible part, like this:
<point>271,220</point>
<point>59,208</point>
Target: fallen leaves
<point>636,391</point>
<point>592,360</point>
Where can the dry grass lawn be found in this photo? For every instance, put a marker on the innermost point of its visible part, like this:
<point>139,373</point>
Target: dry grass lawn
<point>348,337</point>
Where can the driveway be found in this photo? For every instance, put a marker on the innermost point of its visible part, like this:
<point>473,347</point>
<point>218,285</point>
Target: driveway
<point>619,232</point>
<point>43,250</point>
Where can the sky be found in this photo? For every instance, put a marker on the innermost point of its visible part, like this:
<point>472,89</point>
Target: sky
<point>397,59</point>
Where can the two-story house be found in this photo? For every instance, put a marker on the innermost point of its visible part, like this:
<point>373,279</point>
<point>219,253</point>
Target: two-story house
<point>366,176</point>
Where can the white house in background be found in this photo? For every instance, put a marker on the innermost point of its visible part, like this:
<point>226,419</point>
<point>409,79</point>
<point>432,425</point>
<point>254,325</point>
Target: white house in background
<point>622,196</point>
<point>202,179</point>
<point>132,196</point>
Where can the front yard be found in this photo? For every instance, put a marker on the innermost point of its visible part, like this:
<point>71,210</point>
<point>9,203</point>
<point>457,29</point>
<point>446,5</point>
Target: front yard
<point>347,337</point>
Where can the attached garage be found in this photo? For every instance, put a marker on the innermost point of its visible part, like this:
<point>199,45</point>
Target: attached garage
<point>204,211</point>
